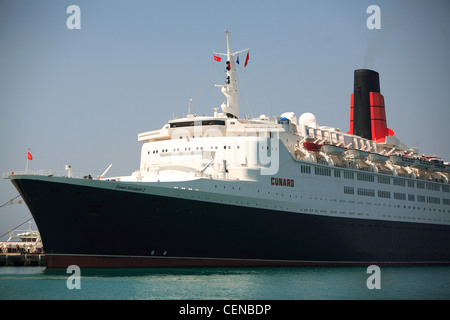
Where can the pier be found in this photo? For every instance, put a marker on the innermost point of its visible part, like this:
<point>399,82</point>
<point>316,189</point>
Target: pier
<point>29,251</point>
<point>22,259</point>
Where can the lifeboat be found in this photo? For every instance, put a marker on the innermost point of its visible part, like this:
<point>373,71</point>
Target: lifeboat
<point>402,160</point>
<point>437,164</point>
<point>376,157</point>
<point>311,146</point>
<point>357,154</point>
<point>422,163</point>
<point>333,150</point>
<point>446,166</point>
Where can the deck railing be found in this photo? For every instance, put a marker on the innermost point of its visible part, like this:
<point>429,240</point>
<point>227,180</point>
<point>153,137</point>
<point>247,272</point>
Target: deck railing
<point>46,172</point>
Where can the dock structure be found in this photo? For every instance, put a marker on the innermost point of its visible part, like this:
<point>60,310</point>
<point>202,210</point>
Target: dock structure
<point>22,259</point>
<point>22,249</point>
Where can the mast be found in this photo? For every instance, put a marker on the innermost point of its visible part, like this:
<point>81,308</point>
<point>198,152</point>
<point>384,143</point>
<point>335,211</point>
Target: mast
<point>230,89</point>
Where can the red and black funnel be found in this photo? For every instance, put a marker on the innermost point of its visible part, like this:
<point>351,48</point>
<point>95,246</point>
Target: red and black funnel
<point>367,112</point>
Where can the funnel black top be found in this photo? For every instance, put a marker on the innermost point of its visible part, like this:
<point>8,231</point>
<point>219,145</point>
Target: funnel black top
<point>366,81</point>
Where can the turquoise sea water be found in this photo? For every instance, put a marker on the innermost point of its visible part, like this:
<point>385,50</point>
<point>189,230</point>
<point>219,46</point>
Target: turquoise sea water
<point>226,283</point>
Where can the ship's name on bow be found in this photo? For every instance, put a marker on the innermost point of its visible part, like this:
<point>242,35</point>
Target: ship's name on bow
<point>282,182</point>
<point>130,188</point>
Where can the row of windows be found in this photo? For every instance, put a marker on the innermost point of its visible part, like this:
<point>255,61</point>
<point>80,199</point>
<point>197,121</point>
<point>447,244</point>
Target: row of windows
<point>397,195</point>
<point>384,194</point>
<point>257,203</point>
<point>198,123</point>
<point>366,192</point>
<point>383,179</point>
<point>323,171</point>
<point>365,177</point>
<point>189,149</point>
<point>305,169</point>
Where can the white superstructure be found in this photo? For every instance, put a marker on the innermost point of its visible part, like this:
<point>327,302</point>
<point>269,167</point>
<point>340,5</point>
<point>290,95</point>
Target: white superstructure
<point>292,164</point>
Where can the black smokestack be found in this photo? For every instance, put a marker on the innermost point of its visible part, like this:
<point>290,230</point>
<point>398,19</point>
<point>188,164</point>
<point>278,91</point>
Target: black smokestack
<point>366,81</point>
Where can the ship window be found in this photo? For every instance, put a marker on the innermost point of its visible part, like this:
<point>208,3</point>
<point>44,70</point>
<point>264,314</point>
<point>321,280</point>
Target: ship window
<point>433,200</point>
<point>433,186</point>
<point>348,175</point>
<point>420,198</point>
<point>411,184</point>
<point>384,194</point>
<point>420,185</point>
<point>198,123</point>
<point>411,197</point>
<point>349,190</point>
<point>305,169</point>
<point>365,177</point>
<point>337,173</point>
<point>383,179</point>
<point>399,182</point>
<point>446,201</point>
<point>445,188</point>
<point>399,196</point>
<point>366,192</point>
<point>322,171</point>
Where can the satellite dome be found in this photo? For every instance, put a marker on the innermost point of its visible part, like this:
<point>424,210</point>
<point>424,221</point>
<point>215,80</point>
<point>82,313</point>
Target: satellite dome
<point>309,120</point>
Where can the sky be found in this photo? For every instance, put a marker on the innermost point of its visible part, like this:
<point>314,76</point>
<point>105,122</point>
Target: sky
<point>81,96</point>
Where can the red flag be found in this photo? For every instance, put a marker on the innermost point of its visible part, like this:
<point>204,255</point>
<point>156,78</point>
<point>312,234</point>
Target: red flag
<point>217,58</point>
<point>30,157</point>
<point>247,58</point>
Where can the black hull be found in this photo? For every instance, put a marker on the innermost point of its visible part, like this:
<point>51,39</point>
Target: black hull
<point>102,227</point>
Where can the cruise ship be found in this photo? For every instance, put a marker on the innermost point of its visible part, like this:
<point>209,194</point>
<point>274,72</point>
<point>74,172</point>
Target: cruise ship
<point>227,191</point>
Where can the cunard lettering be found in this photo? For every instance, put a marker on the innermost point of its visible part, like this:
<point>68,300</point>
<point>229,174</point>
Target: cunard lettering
<point>282,182</point>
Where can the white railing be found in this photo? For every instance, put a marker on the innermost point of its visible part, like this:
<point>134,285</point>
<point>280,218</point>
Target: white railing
<point>45,172</point>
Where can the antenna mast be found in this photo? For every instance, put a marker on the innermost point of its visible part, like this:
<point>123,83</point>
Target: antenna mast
<point>230,89</point>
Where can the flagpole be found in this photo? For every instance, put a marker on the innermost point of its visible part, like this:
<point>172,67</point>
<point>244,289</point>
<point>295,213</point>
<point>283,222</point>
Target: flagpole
<point>26,169</point>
